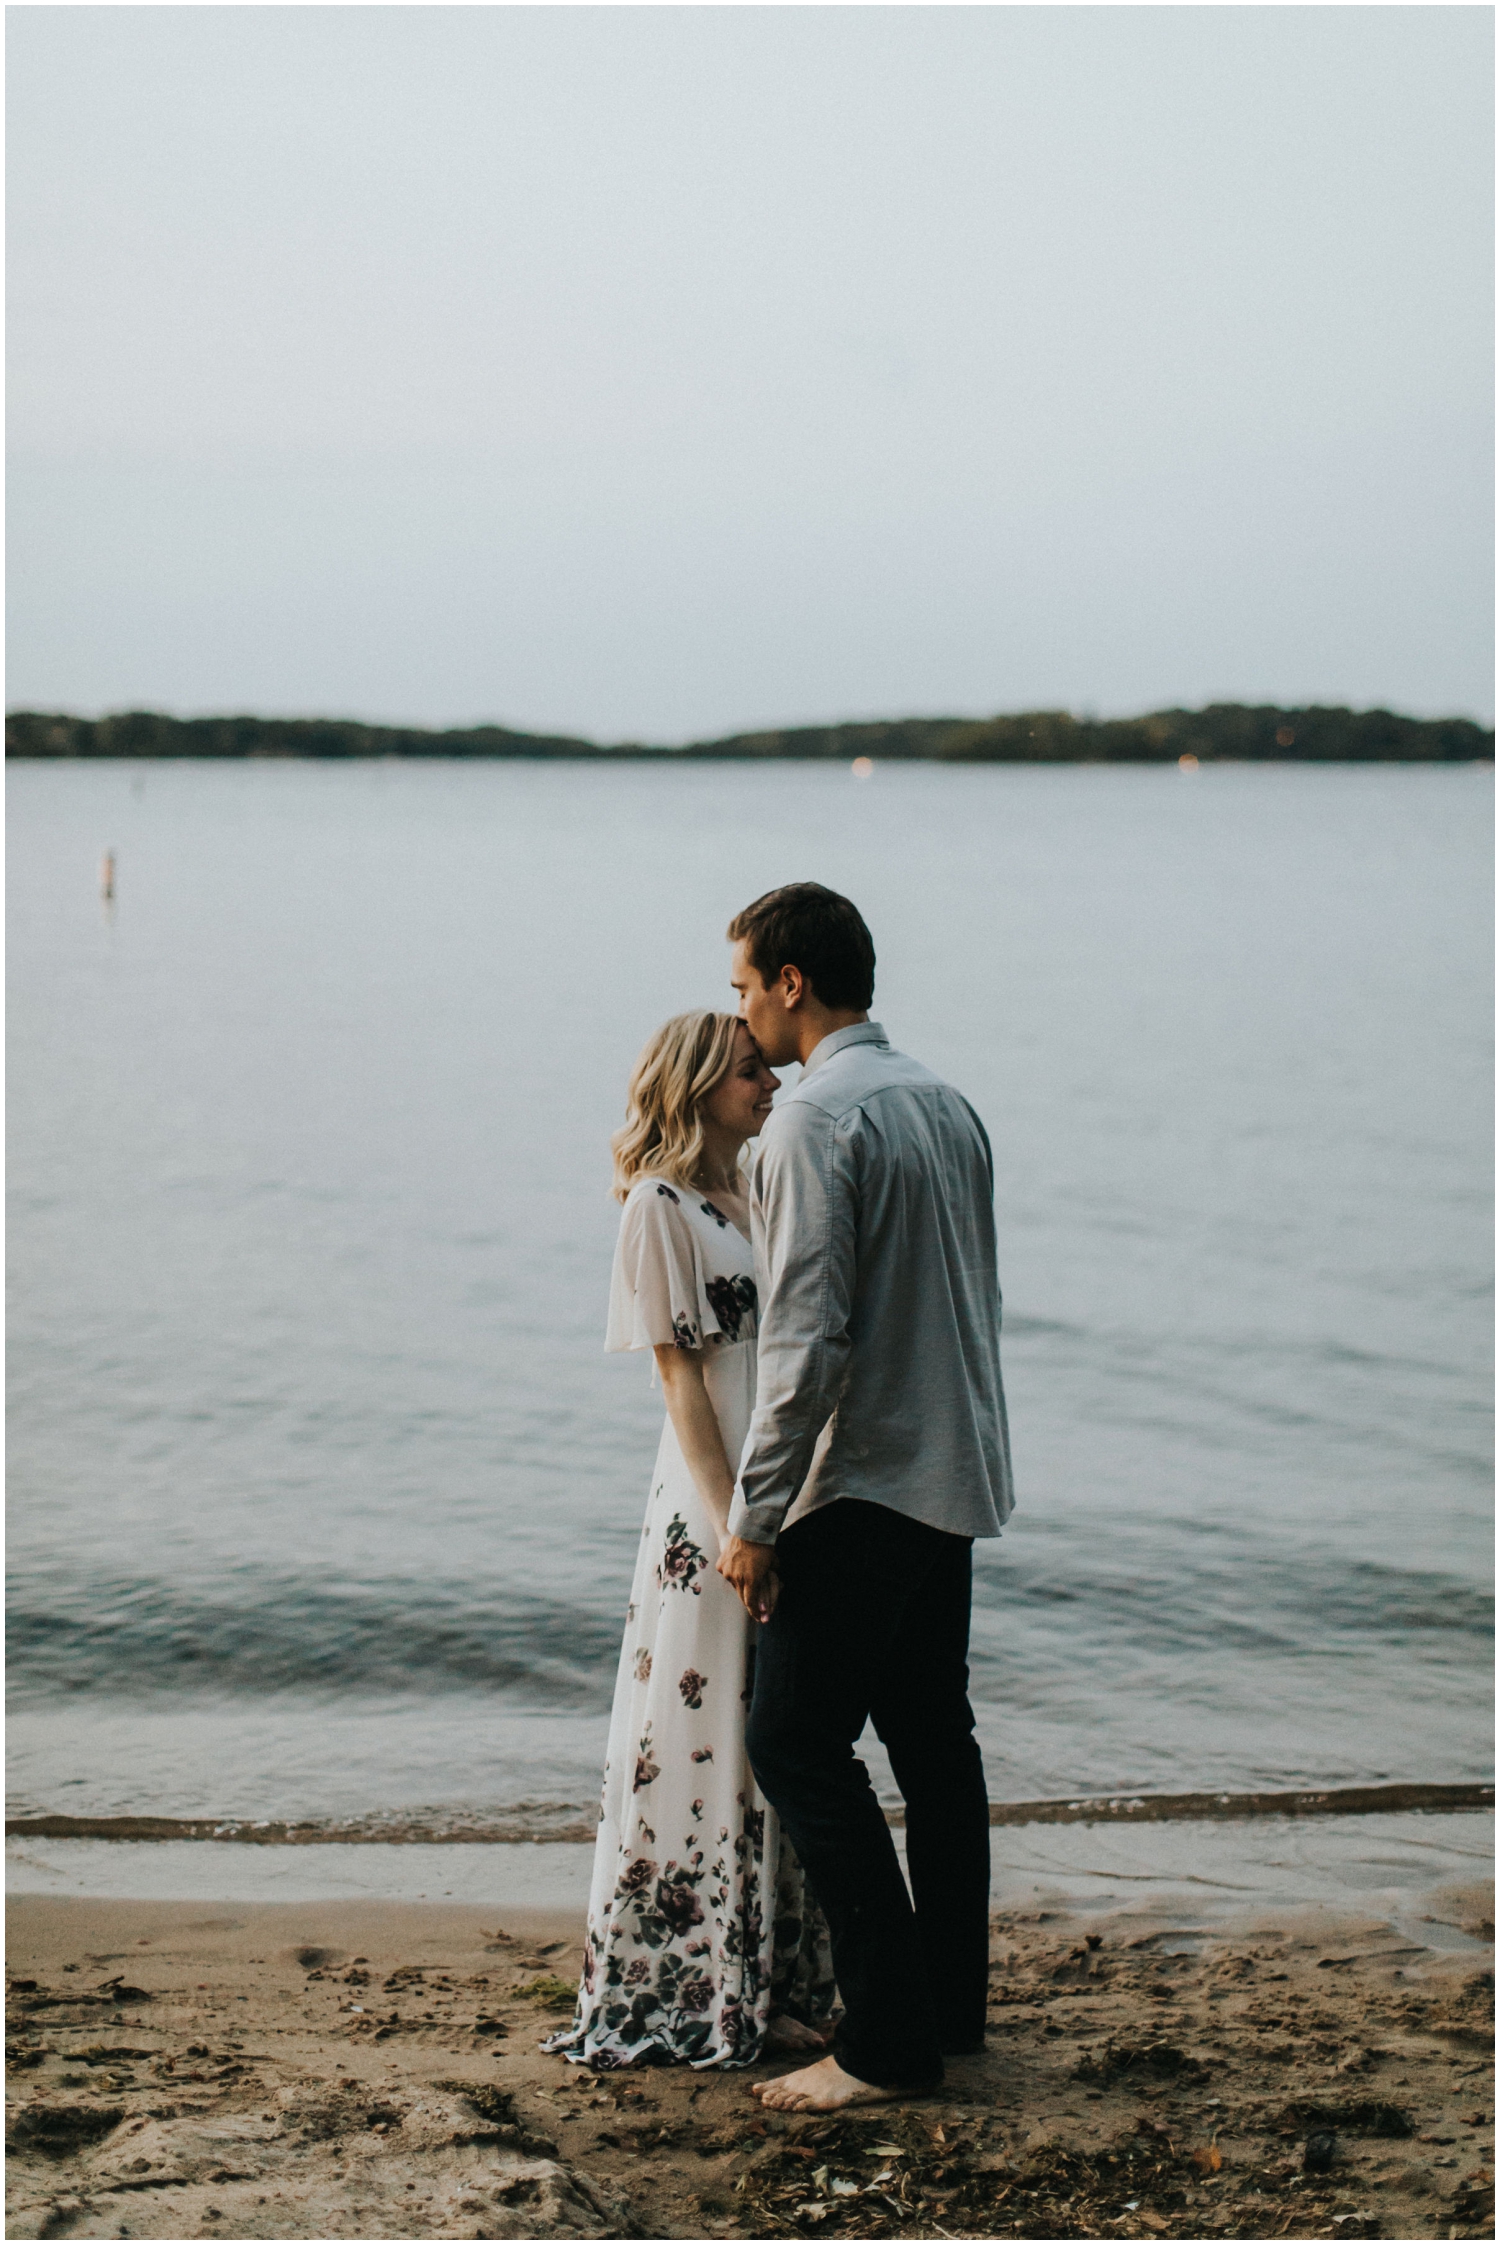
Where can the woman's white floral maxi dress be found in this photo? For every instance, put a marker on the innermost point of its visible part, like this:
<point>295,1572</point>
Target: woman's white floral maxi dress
<point>697,1924</point>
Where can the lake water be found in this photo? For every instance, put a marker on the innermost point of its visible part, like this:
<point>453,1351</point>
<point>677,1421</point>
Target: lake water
<point>324,1496</point>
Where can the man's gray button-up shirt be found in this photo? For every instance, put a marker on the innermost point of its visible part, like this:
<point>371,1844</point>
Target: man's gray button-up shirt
<point>871,1211</point>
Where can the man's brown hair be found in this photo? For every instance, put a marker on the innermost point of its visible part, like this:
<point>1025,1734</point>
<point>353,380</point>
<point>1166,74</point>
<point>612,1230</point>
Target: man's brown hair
<point>805,925</point>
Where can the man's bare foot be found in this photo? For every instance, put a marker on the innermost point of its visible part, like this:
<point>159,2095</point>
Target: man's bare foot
<point>824,2087</point>
<point>785,2033</point>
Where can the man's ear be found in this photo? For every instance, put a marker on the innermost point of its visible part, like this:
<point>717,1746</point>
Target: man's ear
<point>792,987</point>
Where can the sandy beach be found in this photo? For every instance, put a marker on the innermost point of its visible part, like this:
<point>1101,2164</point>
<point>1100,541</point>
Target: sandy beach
<point>327,2068</point>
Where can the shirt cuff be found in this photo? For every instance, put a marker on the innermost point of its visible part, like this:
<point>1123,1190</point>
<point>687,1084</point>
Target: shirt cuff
<point>755,1525</point>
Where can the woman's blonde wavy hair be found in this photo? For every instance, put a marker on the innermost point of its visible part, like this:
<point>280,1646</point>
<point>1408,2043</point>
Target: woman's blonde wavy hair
<point>680,1066</point>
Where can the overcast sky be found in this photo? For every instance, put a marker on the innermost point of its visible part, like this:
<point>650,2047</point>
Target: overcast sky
<point>661,372</point>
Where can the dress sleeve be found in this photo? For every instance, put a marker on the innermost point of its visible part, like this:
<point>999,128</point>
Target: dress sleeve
<point>656,1293</point>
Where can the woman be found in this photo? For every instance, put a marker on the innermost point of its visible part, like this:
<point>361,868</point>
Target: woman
<point>701,1948</point>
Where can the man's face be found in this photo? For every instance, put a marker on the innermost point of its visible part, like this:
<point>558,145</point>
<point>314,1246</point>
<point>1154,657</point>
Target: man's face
<point>764,1012</point>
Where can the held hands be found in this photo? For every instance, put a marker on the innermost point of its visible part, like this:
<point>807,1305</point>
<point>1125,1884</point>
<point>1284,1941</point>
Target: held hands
<point>750,1568</point>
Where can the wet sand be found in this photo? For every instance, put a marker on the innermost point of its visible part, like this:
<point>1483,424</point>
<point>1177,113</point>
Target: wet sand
<point>334,2069</point>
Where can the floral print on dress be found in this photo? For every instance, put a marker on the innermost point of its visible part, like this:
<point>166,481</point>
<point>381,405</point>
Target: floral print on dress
<point>646,1771</point>
<point>691,1685</point>
<point>682,1562</point>
<point>685,1335</point>
<point>677,1906</point>
<point>732,1300</point>
<point>669,1996</point>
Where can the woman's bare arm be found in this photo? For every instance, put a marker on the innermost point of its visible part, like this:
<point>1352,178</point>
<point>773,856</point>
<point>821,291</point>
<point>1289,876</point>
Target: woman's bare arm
<point>697,1430</point>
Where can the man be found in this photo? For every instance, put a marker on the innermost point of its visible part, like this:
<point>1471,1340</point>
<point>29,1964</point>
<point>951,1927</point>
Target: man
<point>877,1452</point>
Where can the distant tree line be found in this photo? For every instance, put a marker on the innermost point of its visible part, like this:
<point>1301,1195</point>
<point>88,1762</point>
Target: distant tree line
<point>1225,730</point>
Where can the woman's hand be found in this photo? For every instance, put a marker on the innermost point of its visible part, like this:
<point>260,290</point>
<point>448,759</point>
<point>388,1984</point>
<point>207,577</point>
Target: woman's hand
<point>750,1569</point>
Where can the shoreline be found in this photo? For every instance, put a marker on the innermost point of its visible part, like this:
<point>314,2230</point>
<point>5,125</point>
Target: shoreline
<point>1201,1875</point>
<point>567,1824</point>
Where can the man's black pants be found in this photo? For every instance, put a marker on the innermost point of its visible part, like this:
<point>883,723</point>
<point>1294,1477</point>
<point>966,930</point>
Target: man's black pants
<point>873,1621</point>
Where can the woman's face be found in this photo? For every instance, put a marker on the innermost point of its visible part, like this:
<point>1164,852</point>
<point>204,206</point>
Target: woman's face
<point>741,1100</point>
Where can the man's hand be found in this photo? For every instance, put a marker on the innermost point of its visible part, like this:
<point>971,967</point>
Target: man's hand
<point>750,1568</point>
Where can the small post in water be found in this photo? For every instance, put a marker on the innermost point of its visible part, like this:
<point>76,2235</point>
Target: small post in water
<point>107,877</point>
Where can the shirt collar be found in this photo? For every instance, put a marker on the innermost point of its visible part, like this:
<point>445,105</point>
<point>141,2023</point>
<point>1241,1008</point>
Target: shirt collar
<point>858,1033</point>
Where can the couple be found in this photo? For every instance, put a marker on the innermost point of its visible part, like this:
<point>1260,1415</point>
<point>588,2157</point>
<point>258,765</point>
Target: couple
<point>826,1327</point>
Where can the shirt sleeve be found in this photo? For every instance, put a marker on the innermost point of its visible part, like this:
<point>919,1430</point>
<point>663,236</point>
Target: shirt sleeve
<point>804,1214</point>
<point>984,1139</point>
<point>656,1293</point>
